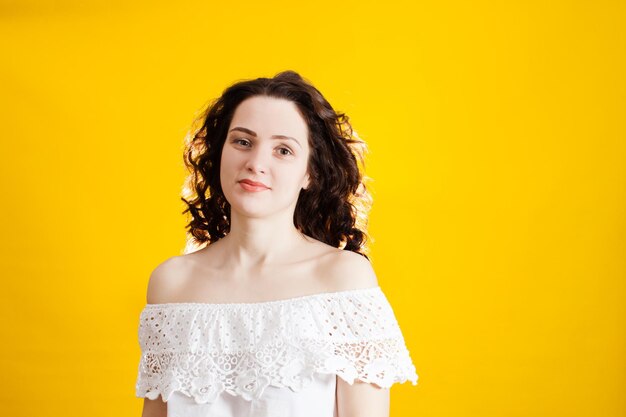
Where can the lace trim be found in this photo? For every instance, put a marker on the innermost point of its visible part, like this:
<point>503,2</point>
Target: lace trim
<point>203,350</point>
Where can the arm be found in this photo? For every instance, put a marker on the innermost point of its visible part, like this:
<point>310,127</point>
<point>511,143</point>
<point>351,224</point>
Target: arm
<point>362,399</point>
<point>154,408</point>
<point>160,286</point>
<point>350,270</point>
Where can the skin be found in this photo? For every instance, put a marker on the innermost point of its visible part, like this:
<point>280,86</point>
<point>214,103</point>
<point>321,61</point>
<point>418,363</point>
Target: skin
<point>264,257</point>
<point>262,229</point>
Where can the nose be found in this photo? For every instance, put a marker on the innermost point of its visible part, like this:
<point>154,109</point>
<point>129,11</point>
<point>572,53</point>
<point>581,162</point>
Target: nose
<point>256,160</point>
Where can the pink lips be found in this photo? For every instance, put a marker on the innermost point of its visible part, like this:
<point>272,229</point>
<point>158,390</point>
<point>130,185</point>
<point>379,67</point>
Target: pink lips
<point>249,185</point>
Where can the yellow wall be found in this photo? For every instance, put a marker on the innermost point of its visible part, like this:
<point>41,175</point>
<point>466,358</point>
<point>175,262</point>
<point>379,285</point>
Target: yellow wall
<point>497,147</point>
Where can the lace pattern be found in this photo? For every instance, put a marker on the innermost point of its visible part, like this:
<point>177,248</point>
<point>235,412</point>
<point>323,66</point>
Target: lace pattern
<point>203,349</point>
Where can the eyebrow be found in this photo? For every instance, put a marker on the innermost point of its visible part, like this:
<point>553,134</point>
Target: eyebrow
<point>250,132</point>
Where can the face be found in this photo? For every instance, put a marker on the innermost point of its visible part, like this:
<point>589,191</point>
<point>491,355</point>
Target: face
<point>266,143</point>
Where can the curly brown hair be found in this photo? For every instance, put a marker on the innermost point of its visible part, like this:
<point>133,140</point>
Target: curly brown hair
<point>332,209</point>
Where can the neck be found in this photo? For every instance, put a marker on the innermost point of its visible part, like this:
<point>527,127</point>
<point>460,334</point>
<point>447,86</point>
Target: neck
<point>258,242</point>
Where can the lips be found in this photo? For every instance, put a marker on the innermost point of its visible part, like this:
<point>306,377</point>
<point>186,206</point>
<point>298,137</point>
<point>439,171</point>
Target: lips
<point>254,183</point>
<point>253,186</point>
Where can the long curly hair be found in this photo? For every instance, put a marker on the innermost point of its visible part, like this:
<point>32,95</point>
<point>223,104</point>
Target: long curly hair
<point>332,209</point>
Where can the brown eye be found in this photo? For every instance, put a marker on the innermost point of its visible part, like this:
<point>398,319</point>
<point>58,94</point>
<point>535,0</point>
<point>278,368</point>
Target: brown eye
<point>239,140</point>
<point>286,149</point>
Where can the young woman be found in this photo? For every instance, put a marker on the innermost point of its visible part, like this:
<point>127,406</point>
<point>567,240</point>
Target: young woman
<point>279,311</point>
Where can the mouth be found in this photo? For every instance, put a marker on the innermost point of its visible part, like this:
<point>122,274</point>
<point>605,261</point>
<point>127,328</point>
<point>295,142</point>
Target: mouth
<point>253,186</point>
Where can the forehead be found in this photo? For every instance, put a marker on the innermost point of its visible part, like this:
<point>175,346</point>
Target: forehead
<point>269,116</point>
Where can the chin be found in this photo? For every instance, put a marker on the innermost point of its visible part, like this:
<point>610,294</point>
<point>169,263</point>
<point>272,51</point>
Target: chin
<point>249,208</point>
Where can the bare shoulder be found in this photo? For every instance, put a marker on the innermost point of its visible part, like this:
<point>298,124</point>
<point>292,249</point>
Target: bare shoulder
<point>166,279</point>
<point>348,270</point>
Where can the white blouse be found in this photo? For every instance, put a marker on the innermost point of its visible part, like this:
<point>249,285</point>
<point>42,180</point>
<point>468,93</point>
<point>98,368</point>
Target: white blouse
<point>273,358</point>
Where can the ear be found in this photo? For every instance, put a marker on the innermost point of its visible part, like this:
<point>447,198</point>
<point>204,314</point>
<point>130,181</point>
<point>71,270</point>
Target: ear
<point>306,182</point>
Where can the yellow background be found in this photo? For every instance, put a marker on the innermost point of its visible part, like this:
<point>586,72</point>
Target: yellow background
<point>497,148</point>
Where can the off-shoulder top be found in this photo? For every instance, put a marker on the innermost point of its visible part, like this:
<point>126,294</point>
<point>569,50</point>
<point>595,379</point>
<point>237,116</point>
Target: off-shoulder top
<point>273,358</point>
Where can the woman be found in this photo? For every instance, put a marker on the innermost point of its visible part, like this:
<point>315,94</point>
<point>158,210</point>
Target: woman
<point>279,313</point>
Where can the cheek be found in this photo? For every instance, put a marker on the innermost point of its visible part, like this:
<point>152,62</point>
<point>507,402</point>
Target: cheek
<point>294,175</point>
<point>228,160</point>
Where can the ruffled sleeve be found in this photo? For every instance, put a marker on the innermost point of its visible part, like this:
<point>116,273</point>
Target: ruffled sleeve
<point>359,338</point>
<point>203,350</point>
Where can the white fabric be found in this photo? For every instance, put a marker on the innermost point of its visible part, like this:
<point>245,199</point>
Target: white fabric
<point>270,358</point>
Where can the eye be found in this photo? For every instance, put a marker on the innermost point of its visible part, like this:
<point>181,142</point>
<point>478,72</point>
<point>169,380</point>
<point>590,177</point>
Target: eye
<point>285,149</point>
<point>240,140</point>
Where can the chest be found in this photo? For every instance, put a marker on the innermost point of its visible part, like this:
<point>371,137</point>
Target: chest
<point>211,284</point>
